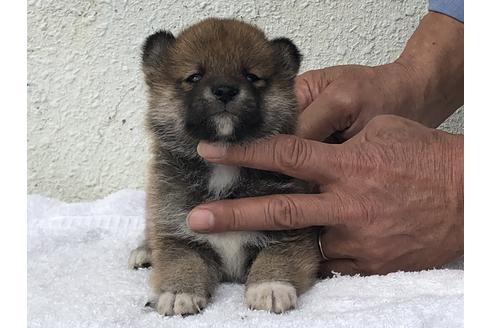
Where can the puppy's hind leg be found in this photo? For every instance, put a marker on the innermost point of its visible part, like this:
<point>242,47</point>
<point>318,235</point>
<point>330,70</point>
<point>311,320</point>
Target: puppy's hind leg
<point>140,257</point>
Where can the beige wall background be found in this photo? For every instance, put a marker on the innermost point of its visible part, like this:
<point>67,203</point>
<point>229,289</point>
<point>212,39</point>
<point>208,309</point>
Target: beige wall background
<point>86,96</point>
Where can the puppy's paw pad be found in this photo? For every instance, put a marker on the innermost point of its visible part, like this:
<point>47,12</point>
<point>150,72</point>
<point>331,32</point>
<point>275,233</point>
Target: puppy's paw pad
<point>180,304</point>
<point>274,296</point>
<point>139,258</point>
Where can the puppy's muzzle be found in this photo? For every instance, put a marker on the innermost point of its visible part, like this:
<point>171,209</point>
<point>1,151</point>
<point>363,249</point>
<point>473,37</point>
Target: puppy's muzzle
<point>225,93</point>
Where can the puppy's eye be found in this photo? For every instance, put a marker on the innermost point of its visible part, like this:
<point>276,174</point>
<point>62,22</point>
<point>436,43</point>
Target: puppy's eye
<point>193,78</point>
<point>251,77</point>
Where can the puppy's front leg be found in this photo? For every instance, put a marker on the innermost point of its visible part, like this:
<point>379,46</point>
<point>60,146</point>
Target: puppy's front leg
<point>181,277</point>
<point>281,272</point>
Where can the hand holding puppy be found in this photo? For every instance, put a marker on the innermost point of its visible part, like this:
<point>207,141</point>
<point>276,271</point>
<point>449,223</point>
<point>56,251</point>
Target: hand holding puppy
<point>391,198</point>
<point>424,84</point>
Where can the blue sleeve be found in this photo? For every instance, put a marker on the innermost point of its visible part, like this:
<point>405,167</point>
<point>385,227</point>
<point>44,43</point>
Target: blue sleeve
<point>453,8</point>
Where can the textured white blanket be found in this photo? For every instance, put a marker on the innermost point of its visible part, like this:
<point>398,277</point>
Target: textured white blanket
<point>78,277</point>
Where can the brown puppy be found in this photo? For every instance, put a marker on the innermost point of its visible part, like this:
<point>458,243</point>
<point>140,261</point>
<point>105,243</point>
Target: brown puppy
<point>221,81</point>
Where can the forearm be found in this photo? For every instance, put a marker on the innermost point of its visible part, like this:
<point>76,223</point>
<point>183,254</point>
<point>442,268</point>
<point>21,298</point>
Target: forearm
<point>433,61</point>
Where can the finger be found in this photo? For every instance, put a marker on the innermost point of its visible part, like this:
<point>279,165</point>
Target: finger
<point>338,266</point>
<point>300,158</point>
<point>322,118</point>
<point>276,212</point>
<point>309,85</point>
<point>336,243</point>
<point>303,92</point>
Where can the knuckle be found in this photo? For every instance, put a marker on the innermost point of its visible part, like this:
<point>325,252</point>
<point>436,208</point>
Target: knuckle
<point>234,221</point>
<point>391,128</point>
<point>344,97</point>
<point>290,153</point>
<point>282,212</point>
<point>346,102</point>
<point>367,208</point>
<point>247,154</point>
<point>384,121</point>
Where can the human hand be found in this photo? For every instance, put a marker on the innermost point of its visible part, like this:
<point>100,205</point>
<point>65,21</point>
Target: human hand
<point>391,198</point>
<point>338,101</point>
<point>424,84</point>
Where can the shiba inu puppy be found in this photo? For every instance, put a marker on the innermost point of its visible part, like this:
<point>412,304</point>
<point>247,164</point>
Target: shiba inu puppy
<point>221,81</point>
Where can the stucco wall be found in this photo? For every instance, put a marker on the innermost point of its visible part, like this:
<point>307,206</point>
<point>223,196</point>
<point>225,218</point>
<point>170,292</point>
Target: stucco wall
<point>86,97</point>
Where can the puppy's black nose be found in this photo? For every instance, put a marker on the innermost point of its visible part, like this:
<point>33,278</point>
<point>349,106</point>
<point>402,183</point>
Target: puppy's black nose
<point>225,93</point>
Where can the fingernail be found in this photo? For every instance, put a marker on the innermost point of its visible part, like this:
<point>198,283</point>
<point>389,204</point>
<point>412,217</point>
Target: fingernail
<point>207,150</point>
<point>200,220</point>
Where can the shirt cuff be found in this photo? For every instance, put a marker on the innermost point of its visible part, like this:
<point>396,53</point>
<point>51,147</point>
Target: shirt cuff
<point>453,8</point>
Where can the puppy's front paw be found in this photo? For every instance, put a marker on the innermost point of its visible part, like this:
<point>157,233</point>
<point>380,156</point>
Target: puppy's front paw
<point>273,296</point>
<point>180,304</point>
<point>139,257</point>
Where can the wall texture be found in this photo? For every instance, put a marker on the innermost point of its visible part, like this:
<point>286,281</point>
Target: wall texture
<point>86,97</point>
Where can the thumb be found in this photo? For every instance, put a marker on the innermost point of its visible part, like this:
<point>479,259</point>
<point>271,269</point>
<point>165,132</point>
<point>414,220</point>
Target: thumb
<point>310,84</point>
<point>326,115</point>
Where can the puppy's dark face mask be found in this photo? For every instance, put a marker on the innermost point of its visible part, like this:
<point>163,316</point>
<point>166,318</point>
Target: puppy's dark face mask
<point>227,82</point>
<point>223,104</point>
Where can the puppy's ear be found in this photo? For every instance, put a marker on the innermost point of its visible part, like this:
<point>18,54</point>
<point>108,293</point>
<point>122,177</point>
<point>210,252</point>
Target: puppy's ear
<point>154,52</point>
<point>288,54</point>
<point>155,47</point>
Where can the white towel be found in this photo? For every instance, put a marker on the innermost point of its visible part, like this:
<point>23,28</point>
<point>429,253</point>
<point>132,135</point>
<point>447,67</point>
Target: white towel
<point>78,277</point>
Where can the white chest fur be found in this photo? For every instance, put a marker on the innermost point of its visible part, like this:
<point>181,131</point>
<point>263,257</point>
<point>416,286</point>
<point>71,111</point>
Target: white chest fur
<point>230,247</point>
<point>222,178</point>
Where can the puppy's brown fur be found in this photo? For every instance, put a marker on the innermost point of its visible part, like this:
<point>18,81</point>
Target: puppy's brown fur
<point>187,77</point>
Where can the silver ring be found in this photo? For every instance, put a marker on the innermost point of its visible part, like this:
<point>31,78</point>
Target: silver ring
<point>320,246</point>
